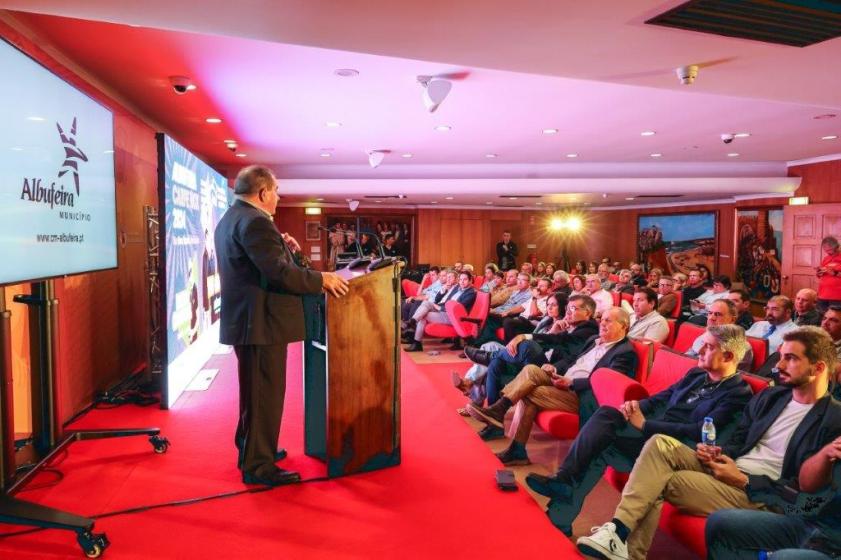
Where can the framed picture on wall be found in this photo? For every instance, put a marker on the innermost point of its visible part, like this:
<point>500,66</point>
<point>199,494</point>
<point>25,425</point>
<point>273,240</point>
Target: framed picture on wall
<point>313,233</point>
<point>759,247</point>
<point>678,242</point>
<point>359,233</point>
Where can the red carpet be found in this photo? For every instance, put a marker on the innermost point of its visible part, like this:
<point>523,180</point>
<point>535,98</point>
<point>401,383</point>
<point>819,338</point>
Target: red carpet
<point>441,502</point>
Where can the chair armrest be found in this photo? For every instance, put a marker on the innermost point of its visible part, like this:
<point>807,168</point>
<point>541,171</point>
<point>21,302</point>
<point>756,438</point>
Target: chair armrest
<point>611,388</point>
<point>473,320</point>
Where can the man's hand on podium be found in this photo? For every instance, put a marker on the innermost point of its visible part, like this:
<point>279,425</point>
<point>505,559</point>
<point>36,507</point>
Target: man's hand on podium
<point>334,284</point>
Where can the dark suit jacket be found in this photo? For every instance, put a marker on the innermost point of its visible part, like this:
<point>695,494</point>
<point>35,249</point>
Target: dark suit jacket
<point>260,281</point>
<point>821,425</point>
<point>465,297</point>
<point>567,344</point>
<point>621,357</point>
<point>812,318</point>
<point>723,405</point>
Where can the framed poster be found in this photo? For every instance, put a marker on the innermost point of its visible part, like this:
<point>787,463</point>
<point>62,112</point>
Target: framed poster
<point>350,231</point>
<point>678,242</point>
<point>759,247</point>
<point>313,233</point>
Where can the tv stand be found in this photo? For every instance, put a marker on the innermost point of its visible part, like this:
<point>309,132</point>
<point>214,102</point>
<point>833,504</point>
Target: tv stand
<point>43,309</point>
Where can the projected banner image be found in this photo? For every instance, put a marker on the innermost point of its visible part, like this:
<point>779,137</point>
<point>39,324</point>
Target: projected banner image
<point>57,203</point>
<point>194,198</point>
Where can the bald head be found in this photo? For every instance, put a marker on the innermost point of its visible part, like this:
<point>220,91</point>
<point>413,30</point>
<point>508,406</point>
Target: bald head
<point>805,300</point>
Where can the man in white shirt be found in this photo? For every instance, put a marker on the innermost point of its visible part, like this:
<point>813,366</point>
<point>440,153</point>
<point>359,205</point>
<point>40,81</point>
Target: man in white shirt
<point>646,322</point>
<point>777,322</point>
<point>781,428</point>
<point>721,312</point>
<point>564,385</point>
<point>603,298</point>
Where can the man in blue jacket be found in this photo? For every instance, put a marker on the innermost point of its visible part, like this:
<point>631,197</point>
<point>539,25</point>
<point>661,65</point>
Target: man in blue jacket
<point>614,437</point>
<point>781,428</point>
<point>463,292</point>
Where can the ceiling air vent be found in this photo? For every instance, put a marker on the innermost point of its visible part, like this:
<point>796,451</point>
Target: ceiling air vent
<point>797,23</point>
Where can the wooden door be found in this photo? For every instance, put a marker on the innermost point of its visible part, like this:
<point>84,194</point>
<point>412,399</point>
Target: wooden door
<point>803,229</point>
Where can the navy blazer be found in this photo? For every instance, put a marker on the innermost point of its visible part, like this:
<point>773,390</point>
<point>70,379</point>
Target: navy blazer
<point>821,425</point>
<point>566,344</point>
<point>722,405</point>
<point>465,297</point>
<point>621,357</point>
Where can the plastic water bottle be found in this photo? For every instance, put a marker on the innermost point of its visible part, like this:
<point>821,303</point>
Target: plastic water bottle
<point>708,431</point>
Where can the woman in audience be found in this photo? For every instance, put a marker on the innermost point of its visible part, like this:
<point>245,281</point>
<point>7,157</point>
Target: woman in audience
<point>540,270</point>
<point>578,288</point>
<point>654,278</point>
<point>592,268</point>
<point>473,385</point>
<point>580,268</point>
<point>490,278</point>
<point>550,269</point>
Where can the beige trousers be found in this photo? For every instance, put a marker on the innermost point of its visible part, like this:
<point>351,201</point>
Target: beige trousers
<point>669,470</point>
<point>533,390</point>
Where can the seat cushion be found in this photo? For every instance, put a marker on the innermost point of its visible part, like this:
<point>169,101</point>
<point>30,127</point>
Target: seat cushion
<point>562,425</point>
<point>686,529</point>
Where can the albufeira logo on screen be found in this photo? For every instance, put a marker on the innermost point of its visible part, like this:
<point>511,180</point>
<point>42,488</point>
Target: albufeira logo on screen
<point>55,195</point>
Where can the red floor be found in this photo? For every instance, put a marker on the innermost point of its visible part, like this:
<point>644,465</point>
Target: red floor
<point>441,502</point>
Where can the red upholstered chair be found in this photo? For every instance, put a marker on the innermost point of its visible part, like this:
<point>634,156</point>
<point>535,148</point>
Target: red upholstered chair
<point>425,281</point>
<point>616,298</point>
<point>670,340</point>
<point>471,325</point>
<point>756,383</point>
<point>760,351</point>
<point>676,310</point>
<point>627,297</point>
<point>410,289</point>
<point>478,281</point>
<point>686,335</point>
<point>458,315</point>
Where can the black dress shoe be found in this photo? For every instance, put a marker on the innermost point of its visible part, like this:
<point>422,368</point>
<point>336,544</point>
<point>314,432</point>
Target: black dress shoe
<point>280,455</point>
<point>493,415</point>
<point>549,486</point>
<point>489,433</point>
<point>278,477</point>
<point>446,341</point>
<point>414,347</point>
<point>477,356</point>
<point>514,455</point>
<point>457,345</point>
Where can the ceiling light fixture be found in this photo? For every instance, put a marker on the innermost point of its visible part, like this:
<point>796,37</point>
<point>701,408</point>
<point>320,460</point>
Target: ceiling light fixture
<point>629,198</point>
<point>742,134</point>
<point>407,155</point>
<point>213,120</point>
<point>733,154</point>
<point>647,133</point>
<point>346,72</point>
<point>35,119</point>
<point>319,199</point>
<point>325,154</point>
<point>830,137</point>
<point>687,74</point>
<point>539,203</point>
<point>435,91</point>
<point>489,203</point>
<point>448,197</point>
<point>376,157</point>
<point>490,156</point>
<point>512,198</point>
<point>242,155</point>
<point>656,155</point>
<point>433,202</point>
<point>443,128</point>
<point>550,131</point>
<point>332,124</point>
<point>572,155</point>
<point>229,141</point>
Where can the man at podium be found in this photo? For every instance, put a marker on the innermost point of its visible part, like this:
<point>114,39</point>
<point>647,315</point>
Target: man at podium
<point>261,313</point>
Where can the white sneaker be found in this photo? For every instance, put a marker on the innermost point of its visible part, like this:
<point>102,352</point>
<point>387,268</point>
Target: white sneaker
<point>604,543</point>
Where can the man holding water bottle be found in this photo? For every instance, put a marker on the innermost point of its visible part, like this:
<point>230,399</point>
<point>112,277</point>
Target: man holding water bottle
<point>781,428</point>
<point>714,390</point>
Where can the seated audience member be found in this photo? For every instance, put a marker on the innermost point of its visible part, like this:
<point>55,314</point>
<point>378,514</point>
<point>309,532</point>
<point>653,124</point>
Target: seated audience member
<point>714,388</point>
<point>389,248</point>
<point>777,322</point>
<point>592,267</point>
<point>741,299</point>
<point>604,277</point>
<point>457,266</point>
<point>666,297</point>
<point>564,385</point>
<point>560,282</point>
<point>781,428</point>
<point>654,276</point>
<point>563,343</point>
<point>578,286</point>
<point>527,268</point>
<point>603,299</point>
<point>550,270</point>
<point>680,280</point>
<point>693,288</point>
<point>533,310</point>
<point>411,303</point>
<point>700,306</point>
<point>503,290</point>
<point>540,270</point>
<point>467,268</point>
<point>433,312</point>
<point>513,306</point>
<point>805,308</point>
<point>829,274</point>
<point>624,285</point>
<point>646,322</point>
<point>721,312</point>
<point>637,273</point>
<point>832,325</point>
<point>580,268</point>
<point>812,532</point>
<point>490,278</point>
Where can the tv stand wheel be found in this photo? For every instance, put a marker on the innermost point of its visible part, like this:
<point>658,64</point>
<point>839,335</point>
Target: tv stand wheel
<point>159,443</point>
<point>93,544</point>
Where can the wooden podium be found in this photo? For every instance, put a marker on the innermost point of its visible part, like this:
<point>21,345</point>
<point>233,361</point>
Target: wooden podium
<point>352,374</point>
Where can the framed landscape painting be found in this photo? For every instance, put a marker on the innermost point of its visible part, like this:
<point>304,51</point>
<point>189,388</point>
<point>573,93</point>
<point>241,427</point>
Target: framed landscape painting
<point>678,242</point>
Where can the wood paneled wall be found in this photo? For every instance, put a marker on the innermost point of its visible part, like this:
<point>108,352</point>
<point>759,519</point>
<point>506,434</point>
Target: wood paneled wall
<point>103,315</point>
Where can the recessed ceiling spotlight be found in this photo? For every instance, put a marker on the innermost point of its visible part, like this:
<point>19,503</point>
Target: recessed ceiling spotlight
<point>656,155</point>
<point>443,128</point>
<point>332,124</point>
<point>242,155</point>
<point>319,199</point>
<point>825,116</point>
<point>325,154</point>
<point>550,131</point>
<point>629,198</point>
<point>733,154</point>
<point>229,141</point>
<point>433,202</point>
<point>512,198</point>
<point>830,137</point>
<point>647,133</point>
<point>604,195</point>
<point>490,156</point>
<point>448,197</point>
<point>346,72</point>
<point>538,203</point>
<point>407,155</point>
<point>378,201</point>
<point>489,203</point>
<point>572,155</point>
<point>213,120</point>
<point>16,149</point>
<point>35,119</point>
<point>108,151</point>
<point>742,134</point>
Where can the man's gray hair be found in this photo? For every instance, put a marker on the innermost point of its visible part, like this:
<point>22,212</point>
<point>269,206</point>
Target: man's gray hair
<point>622,316</point>
<point>252,179</point>
<point>561,275</point>
<point>732,339</point>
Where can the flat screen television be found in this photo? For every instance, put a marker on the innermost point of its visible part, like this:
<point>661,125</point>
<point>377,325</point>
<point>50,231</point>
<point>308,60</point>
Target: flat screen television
<point>57,195</point>
<point>193,198</point>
